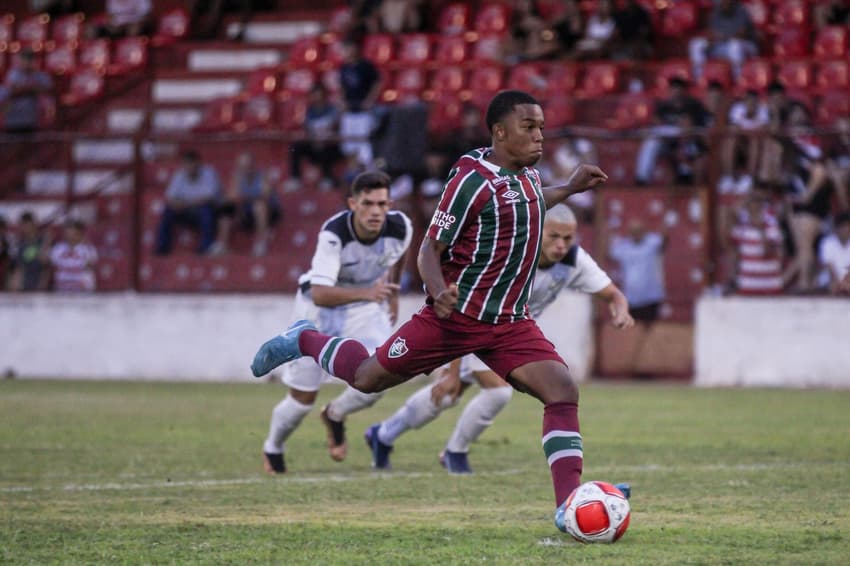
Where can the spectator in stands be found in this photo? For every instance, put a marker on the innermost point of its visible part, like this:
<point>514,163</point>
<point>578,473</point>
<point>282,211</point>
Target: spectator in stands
<point>835,252</point>
<point>5,252</point>
<point>206,16</point>
<point>360,82</point>
<point>731,36</point>
<point>831,13</point>
<point>320,145</point>
<point>192,198</point>
<point>403,16</point>
<point>23,86</point>
<point>748,118</point>
<point>756,250</point>
<point>838,163</point>
<point>29,262</point>
<point>530,36</point>
<point>716,104</point>
<point>568,28</point>
<point>124,18</point>
<point>599,33</point>
<point>674,117</point>
<point>250,201</point>
<point>640,256</point>
<point>633,37</point>
<point>560,160</point>
<point>52,7</point>
<point>73,260</point>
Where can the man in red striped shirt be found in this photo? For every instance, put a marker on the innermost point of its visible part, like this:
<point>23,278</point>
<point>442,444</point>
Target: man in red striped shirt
<point>478,262</point>
<point>758,250</point>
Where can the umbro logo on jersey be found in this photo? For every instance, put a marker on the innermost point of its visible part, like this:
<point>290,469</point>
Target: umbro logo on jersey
<point>398,348</point>
<point>510,196</point>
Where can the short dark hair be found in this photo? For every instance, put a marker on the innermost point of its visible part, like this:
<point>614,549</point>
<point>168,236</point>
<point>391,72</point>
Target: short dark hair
<point>775,86</point>
<point>27,216</point>
<point>752,92</point>
<point>842,218</point>
<point>191,155</point>
<point>76,224</point>
<point>504,103</point>
<point>678,82</point>
<point>368,181</point>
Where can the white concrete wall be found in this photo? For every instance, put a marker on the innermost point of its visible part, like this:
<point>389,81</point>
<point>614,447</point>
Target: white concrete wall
<point>772,342</point>
<point>189,337</point>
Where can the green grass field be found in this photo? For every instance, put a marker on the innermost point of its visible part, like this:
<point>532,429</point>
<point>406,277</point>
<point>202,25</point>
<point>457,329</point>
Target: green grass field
<point>114,473</point>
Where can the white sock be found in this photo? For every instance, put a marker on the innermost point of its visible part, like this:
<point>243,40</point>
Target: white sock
<point>477,416</point>
<point>416,412</point>
<point>351,401</point>
<point>286,417</point>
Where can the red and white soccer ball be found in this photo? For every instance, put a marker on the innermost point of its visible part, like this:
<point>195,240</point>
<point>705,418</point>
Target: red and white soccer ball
<point>597,512</point>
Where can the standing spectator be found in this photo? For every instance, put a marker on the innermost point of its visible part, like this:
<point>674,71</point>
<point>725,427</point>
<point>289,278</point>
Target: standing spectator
<point>641,260</point>
<point>251,201</point>
<point>748,118</point>
<point>22,87</point>
<point>73,260</point>
<point>568,26</point>
<point>835,252</point>
<point>124,18</point>
<point>673,118</point>
<point>360,82</point>
<point>320,145</point>
<point>5,252</point>
<point>838,163</point>
<point>731,36</point>
<point>757,250</point>
<point>191,198</point>
<point>29,263</point>
<point>403,16</point>
<point>633,38</point>
<point>599,32</point>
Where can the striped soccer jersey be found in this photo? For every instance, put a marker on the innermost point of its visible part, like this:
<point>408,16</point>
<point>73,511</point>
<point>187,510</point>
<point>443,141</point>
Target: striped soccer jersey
<point>492,220</point>
<point>758,273</point>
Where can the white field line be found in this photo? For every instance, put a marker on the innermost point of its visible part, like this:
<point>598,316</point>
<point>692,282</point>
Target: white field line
<point>338,478</point>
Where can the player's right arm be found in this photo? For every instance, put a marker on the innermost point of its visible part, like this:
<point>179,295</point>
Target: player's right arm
<point>428,262</point>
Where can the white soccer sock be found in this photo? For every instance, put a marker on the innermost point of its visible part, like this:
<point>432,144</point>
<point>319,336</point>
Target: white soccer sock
<point>350,401</point>
<point>286,417</point>
<point>416,412</point>
<point>477,416</point>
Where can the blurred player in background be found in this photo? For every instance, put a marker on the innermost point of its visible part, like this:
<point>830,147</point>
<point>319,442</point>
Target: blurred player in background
<point>478,261</point>
<point>350,290</point>
<point>562,264</point>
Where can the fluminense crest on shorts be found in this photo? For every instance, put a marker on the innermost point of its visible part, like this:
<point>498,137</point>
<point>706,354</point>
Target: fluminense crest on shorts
<point>398,348</point>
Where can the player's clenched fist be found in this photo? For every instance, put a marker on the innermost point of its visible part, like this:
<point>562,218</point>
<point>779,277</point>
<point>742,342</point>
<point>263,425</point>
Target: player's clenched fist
<point>586,177</point>
<point>445,301</point>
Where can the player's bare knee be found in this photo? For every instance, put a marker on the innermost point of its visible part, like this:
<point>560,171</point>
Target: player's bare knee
<point>303,397</point>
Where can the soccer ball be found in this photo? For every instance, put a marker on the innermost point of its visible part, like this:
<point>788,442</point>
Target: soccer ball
<point>596,512</point>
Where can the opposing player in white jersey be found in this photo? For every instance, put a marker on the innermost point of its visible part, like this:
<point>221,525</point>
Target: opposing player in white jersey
<point>350,290</point>
<point>562,264</point>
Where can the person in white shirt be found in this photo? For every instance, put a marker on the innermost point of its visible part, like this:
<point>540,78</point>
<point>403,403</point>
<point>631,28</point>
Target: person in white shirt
<point>835,252</point>
<point>73,260</point>
<point>563,264</point>
<point>747,117</point>
<point>125,18</point>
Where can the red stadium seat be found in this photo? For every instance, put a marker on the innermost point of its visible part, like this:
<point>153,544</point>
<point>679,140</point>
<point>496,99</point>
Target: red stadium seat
<point>379,48</point>
<point>492,19</point>
<point>330,80</point>
<point>414,49</point>
<point>131,53</point>
<point>792,13</point>
<point>173,25</point>
<point>833,75</point>
<point>792,42</point>
<point>334,53</point>
<point>407,86</point>
<point>292,112</point>
<point>562,78</point>
<point>257,111</point>
<point>759,11</point>
<point>298,82</point>
<point>832,42</point>
<point>32,31</point>
<point>487,78</point>
<point>60,59</point>
<point>560,112</point>
<point>454,19</point>
<point>306,52</point>
<point>7,30</point>
<point>68,29</point>
<point>633,111</point>
<point>488,48</point>
<point>680,19</point>
<point>529,77</point>
<point>756,74</point>
<point>86,85</point>
<point>444,114</point>
<point>795,75</point>
<point>446,80</point>
<point>219,114</point>
<point>833,104</point>
<point>669,70</point>
<point>261,80</point>
<point>599,79</point>
<point>95,53</point>
<point>451,51</point>
<point>716,70</point>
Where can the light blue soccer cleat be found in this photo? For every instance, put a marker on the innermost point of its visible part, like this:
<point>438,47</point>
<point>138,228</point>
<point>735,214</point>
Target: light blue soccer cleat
<point>280,349</point>
<point>562,508</point>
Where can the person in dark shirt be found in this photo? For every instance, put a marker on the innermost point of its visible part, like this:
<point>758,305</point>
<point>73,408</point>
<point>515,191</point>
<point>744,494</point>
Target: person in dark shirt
<point>674,117</point>
<point>633,36</point>
<point>29,263</point>
<point>360,82</point>
<point>319,145</point>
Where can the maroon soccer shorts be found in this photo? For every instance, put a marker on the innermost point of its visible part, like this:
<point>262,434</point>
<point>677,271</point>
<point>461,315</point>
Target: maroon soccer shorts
<point>426,342</point>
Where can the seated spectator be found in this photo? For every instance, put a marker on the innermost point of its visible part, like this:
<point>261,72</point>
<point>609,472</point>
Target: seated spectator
<point>19,97</point>
<point>5,252</point>
<point>674,117</point>
<point>835,252</point>
<point>251,201</point>
<point>633,37</point>
<point>731,36</point>
<point>748,118</point>
<point>73,260</point>
<point>838,163</point>
<point>568,27</point>
<point>124,18</point>
<point>530,36</point>
<point>320,145</point>
<point>360,82</point>
<point>29,261</point>
<point>599,32</point>
<point>403,16</point>
<point>831,13</point>
<point>756,251</point>
<point>192,198</point>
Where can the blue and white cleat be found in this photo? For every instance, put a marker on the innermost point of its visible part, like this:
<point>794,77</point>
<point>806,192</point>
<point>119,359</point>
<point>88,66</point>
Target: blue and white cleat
<point>455,462</point>
<point>625,488</point>
<point>380,451</point>
<point>280,349</point>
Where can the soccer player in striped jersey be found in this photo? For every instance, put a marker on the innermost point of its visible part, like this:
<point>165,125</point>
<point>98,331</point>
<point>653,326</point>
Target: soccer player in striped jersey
<point>477,261</point>
<point>350,290</point>
<point>563,264</point>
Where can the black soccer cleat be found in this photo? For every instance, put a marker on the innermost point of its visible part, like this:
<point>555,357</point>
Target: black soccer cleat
<point>337,447</point>
<point>274,463</point>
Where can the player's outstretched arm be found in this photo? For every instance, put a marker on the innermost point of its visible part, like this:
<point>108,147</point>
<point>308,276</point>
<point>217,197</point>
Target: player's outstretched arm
<point>584,178</point>
<point>618,305</point>
<point>332,296</point>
